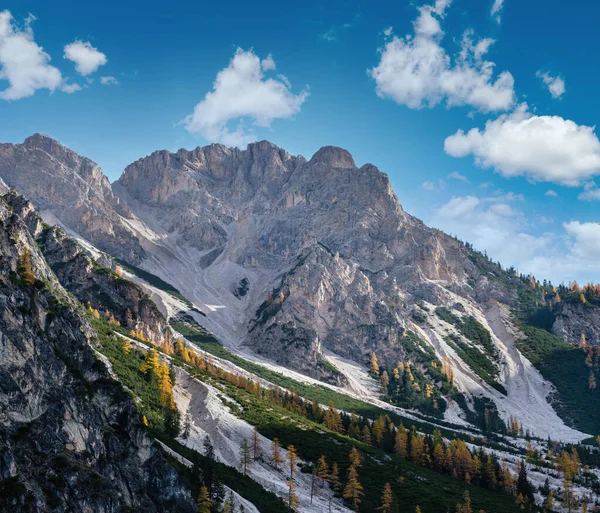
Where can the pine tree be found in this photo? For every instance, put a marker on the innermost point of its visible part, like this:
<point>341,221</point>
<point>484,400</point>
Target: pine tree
<point>292,459</point>
<point>386,499</point>
<point>245,460</point>
<point>256,447</point>
<point>293,502</point>
<point>276,458</point>
<point>465,507</point>
<point>592,381</point>
<point>165,385</point>
<point>366,435</point>
<point>228,504</point>
<point>384,380</point>
<point>204,505</point>
<point>25,270</point>
<point>523,485</point>
<point>417,509</point>
<point>149,366</point>
<point>401,442</point>
<point>187,426</point>
<point>353,490</point>
<point>355,458</point>
<point>374,365</point>
<point>334,478</point>
<point>322,470</point>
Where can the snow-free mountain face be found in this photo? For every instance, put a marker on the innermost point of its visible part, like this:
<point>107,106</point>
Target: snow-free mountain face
<point>312,264</point>
<point>71,187</point>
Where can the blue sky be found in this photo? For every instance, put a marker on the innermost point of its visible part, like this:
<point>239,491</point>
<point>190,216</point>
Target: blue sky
<point>393,82</point>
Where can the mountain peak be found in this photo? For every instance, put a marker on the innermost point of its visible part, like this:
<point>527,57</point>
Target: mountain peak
<point>333,156</point>
<point>40,140</point>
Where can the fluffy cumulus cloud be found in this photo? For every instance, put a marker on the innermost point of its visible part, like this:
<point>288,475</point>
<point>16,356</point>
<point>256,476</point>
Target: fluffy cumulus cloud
<point>543,148</point>
<point>416,70</point>
<point>556,85</point>
<point>507,235</point>
<point>23,63</point>
<point>87,59</point>
<point>240,91</point>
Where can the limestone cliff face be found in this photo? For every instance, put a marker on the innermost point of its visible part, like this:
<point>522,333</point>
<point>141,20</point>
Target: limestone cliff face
<point>73,189</point>
<point>70,439</point>
<point>327,240</point>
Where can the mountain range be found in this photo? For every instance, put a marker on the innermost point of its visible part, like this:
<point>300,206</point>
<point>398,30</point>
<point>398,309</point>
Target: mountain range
<point>309,268</point>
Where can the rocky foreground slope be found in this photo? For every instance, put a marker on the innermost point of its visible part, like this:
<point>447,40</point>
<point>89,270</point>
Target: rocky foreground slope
<point>70,439</point>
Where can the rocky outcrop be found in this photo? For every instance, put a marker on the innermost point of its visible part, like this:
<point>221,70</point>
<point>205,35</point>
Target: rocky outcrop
<point>574,319</point>
<point>70,437</point>
<point>73,189</point>
<point>87,280</point>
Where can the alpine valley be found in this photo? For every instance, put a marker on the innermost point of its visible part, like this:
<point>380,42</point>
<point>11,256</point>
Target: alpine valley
<point>248,330</point>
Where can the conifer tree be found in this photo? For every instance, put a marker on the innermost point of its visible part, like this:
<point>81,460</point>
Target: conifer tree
<point>292,459</point>
<point>592,381</point>
<point>150,364</point>
<point>245,459</point>
<point>386,499</point>
<point>334,478</point>
<point>25,270</point>
<point>293,502</point>
<point>465,507</point>
<point>355,458</point>
<point>276,458</point>
<point>322,470</point>
<point>374,365</point>
<point>204,505</point>
<point>401,442</point>
<point>353,490</point>
<point>366,435</point>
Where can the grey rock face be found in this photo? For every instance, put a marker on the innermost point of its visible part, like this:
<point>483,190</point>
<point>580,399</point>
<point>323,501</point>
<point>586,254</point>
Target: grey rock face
<point>90,282</point>
<point>343,260</point>
<point>574,319</point>
<point>70,439</point>
<point>74,188</point>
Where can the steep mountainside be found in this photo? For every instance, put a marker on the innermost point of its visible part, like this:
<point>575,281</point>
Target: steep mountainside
<point>310,262</point>
<point>64,183</point>
<point>70,439</point>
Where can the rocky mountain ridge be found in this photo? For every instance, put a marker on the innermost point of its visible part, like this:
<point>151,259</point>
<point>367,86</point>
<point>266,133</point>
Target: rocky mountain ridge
<point>309,261</point>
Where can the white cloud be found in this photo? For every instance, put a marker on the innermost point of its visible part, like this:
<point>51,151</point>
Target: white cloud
<point>70,88</point>
<point>496,8</point>
<point>556,85</point>
<point>434,186</point>
<point>590,195</point>
<point>109,80</point>
<point>455,175</point>
<point>23,64</point>
<point>505,234</point>
<point>87,59</point>
<point>417,72</point>
<point>491,225</point>
<point>268,64</point>
<point>242,91</point>
<point>543,148</point>
<point>551,193</point>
